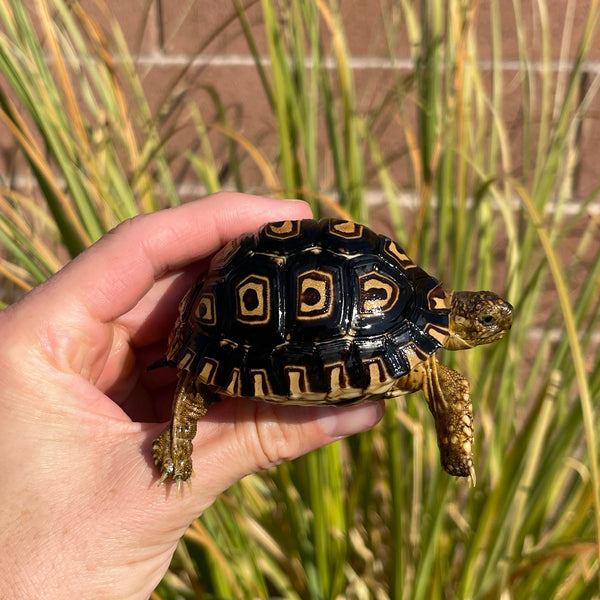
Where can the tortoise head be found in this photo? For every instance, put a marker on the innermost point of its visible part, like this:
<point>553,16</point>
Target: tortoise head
<point>477,318</point>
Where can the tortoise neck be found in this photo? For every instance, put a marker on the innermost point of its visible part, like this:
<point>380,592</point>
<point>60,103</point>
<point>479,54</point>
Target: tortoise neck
<point>454,341</point>
<point>448,297</point>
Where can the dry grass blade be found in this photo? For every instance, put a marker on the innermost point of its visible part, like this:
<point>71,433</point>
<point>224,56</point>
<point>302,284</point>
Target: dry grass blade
<point>373,515</point>
<point>576,353</point>
<point>269,175</point>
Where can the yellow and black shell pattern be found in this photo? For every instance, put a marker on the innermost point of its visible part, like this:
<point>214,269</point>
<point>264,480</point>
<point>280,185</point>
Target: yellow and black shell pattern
<point>309,312</point>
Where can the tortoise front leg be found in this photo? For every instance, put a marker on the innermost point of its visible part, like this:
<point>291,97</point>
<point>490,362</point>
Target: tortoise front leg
<point>449,400</point>
<point>172,449</point>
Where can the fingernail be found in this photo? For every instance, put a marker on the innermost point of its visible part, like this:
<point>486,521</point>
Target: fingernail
<point>296,201</point>
<point>341,422</point>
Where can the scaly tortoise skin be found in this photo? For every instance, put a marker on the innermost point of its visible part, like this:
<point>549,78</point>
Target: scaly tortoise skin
<point>323,312</point>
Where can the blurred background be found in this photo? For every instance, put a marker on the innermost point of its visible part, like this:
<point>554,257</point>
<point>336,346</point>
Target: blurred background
<point>468,131</point>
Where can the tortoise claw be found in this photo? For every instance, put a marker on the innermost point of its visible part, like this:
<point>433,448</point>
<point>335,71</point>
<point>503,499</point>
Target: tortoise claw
<point>179,481</point>
<point>164,476</point>
<point>472,476</point>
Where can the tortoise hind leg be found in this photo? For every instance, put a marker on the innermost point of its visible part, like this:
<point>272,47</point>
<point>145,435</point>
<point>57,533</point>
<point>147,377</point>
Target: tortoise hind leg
<point>172,449</point>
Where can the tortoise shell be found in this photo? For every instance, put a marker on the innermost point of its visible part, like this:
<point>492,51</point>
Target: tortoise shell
<point>309,312</point>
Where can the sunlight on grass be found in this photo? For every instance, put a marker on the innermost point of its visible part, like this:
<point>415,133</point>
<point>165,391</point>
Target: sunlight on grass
<point>374,516</point>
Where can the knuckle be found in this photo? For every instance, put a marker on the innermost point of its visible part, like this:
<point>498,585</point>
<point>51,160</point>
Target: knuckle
<point>274,441</point>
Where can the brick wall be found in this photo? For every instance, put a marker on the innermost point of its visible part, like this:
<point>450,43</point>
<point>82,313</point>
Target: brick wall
<point>167,35</point>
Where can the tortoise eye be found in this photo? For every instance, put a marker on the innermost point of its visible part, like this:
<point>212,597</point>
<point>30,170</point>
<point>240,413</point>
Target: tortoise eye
<point>488,320</point>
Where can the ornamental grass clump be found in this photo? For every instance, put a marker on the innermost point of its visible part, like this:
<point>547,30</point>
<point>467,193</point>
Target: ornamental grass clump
<point>483,208</point>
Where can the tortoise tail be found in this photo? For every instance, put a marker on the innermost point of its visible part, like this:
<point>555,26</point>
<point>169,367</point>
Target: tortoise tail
<point>160,363</point>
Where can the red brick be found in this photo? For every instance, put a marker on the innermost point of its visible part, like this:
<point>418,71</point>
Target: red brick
<point>240,91</point>
<point>530,24</point>
<point>208,27</point>
<point>138,20</point>
<point>588,170</point>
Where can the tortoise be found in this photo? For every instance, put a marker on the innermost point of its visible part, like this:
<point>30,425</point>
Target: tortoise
<point>323,312</point>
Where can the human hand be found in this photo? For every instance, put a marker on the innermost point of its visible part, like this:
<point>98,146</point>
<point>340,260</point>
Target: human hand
<point>81,515</point>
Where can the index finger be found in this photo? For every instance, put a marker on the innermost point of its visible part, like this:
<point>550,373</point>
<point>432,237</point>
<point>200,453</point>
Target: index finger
<point>111,276</point>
